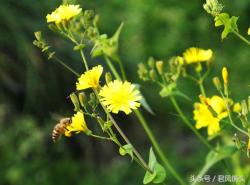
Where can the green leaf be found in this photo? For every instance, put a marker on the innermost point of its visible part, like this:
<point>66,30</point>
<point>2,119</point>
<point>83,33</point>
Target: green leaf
<point>126,149</point>
<point>149,177</point>
<point>167,90</point>
<point>159,173</point>
<point>230,24</point>
<point>214,157</point>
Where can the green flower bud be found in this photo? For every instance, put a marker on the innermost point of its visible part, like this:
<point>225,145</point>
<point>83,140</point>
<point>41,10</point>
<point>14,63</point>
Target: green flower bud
<point>108,77</point>
<point>75,101</point>
<point>213,7</point>
<point>82,98</point>
<point>151,62</point>
<point>244,108</point>
<point>152,75</point>
<point>217,83</point>
<point>159,67</point>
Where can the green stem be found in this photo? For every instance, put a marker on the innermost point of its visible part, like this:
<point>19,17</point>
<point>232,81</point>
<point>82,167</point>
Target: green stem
<point>112,68</point>
<point>124,77</point>
<point>201,86</point>
<point>241,37</point>
<point>65,66</point>
<point>100,137</point>
<point>157,148</point>
<point>230,115</point>
<point>84,60</point>
<point>187,122</point>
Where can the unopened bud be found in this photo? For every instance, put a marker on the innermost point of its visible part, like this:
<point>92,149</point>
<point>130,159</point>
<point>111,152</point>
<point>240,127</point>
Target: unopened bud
<point>217,83</point>
<point>159,67</point>
<point>225,75</point>
<point>38,35</point>
<point>82,98</point>
<point>213,7</point>
<point>75,101</point>
<point>151,62</point>
<point>108,77</point>
<point>244,108</point>
<point>237,107</point>
<point>152,75</point>
<point>244,121</point>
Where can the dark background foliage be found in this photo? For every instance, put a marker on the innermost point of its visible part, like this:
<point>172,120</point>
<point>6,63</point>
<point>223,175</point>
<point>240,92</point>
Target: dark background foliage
<point>34,90</point>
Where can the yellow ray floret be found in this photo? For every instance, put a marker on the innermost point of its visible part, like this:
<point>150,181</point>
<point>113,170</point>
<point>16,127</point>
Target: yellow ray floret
<point>63,13</point>
<point>205,118</point>
<point>120,96</point>
<point>90,79</point>
<point>248,31</point>
<point>196,55</point>
<point>77,125</point>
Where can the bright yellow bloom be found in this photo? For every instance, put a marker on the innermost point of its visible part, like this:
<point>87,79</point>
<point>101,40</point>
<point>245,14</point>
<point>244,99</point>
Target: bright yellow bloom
<point>237,107</point>
<point>248,32</point>
<point>77,125</point>
<point>63,13</point>
<point>206,118</point>
<point>196,55</point>
<point>225,75</point>
<point>120,96</point>
<point>248,145</point>
<point>90,79</point>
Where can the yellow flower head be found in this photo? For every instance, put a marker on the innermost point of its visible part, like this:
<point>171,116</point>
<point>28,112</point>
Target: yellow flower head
<point>77,125</point>
<point>196,55</point>
<point>248,145</point>
<point>205,118</point>
<point>90,79</point>
<point>120,96</point>
<point>248,31</point>
<point>63,13</point>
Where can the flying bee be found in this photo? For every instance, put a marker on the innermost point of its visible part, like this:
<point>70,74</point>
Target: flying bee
<point>60,128</point>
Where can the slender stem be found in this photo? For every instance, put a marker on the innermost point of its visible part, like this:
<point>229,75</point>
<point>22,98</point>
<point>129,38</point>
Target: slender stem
<point>65,66</point>
<point>230,115</point>
<point>201,86</point>
<point>124,77</point>
<point>187,122</point>
<point>100,137</point>
<point>84,60</point>
<point>112,68</point>
<point>157,148</point>
<point>241,37</point>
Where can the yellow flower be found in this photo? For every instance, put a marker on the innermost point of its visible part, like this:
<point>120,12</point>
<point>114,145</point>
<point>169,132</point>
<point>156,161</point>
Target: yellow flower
<point>196,55</point>
<point>237,107</point>
<point>90,79</point>
<point>248,31</point>
<point>205,118</point>
<point>63,13</point>
<point>120,96</point>
<point>248,145</point>
<point>77,125</point>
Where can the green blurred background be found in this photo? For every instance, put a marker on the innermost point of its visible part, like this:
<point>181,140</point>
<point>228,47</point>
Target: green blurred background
<point>34,90</point>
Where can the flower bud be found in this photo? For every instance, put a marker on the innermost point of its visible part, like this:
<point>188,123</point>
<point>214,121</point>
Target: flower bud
<point>108,77</point>
<point>75,101</point>
<point>152,75</point>
<point>159,67</point>
<point>38,35</point>
<point>244,121</point>
<point>244,108</point>
<point>82,98</point>
<point>217,83</point>
<point>225,75</point>
<point>237,107</point>
<point>213,7</point>
<point>151,62</point>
